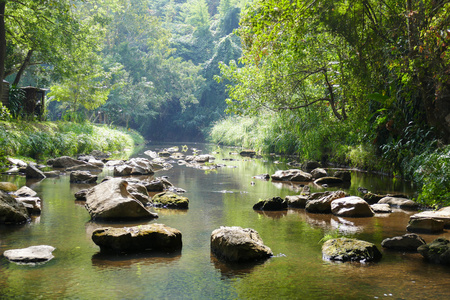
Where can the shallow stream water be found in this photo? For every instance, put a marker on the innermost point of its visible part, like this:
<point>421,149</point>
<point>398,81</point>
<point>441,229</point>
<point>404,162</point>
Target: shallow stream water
<point>220,197</point>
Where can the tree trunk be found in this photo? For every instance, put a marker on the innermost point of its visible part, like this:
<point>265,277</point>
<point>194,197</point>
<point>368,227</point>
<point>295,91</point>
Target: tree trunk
<point>2,44</point>
<point>24,65</point>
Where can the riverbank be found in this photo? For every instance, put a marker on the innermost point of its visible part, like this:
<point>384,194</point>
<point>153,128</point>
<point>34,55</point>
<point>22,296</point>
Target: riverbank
<point>38,141</point>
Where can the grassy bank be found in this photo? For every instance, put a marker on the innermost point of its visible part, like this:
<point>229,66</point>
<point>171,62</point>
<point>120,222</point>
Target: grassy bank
<point>42,140</point>
<point>345,143</point>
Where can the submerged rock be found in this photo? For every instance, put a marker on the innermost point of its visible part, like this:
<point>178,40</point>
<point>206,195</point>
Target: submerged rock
<point>236,244</point>
<point>344,249</point>
<point>406,242</point>
<point>151,237</point>
<point>372,198</point>
<point>274,203</point>
<point>30,255</point>
<point>296,201</point>
<point>442,214</point>
<point>438,251</point>
<point>328,180</point>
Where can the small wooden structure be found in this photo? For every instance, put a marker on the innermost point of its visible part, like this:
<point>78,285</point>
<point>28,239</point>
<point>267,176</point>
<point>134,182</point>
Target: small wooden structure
<point>33,104</point>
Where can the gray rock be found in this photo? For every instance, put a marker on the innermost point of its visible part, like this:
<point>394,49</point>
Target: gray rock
<point>25,192</point>
<point>157,185</point>
<point>352,206</point>
<point>372,198</point>
<point>122,170</point>
<point>323,204</point>
<point>344,249</point>
<point>438,251</point>
<point>139,191</point>
<point>33,172</point>
<point>328,180</point>
<point>402,203</point>
<point>425,225</point>
<point>111,200</point>
<point>81,195</point>
<point>30,255</point>
<point>33,202</point>
<point>381,208</point>
<point>406,242</point>
<point>17,162</point>
<point>82,177</point>
<point>247,153</point>
<point>52,173</point>
<point>66,162</point>
<point>11,210</point>
<point>235,244</point>
<point>291,175</point>
<point>296,201</point>
<point>273,204</point>
<point>150,237</point>
<point>319,173</point>
<point>442,214</point>
<point>86,167</point>
<point>140,166</point>
<point>345,175</point>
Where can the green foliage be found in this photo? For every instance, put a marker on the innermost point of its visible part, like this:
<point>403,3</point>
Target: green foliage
<point>16,101</point>
<point>5,114</point>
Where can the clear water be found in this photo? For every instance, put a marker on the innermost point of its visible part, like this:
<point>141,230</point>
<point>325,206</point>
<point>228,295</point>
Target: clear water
<point>221,197</point>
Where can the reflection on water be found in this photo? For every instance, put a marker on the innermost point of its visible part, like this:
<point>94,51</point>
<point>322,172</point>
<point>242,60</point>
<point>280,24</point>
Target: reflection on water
<point>220,197</point>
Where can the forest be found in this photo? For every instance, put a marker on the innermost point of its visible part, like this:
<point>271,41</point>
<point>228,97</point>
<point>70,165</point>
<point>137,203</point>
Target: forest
<point>360,83</point>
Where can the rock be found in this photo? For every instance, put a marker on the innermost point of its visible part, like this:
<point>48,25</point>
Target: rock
<point>65,162</point>
<point>381,208</point>
<point>33,202</point>
<point>297,201</point>
<point>82,177</point>
<point>344,249</point>
<point>150,237</point>
<point>345,175</point>
<point>235,244</point>
<point>406,242</point>
<point>17,162</point>
<point>25,192</point>
<point>199,158</point>
<point>111,200</point>
<point>351,207</point>
<point>170,200</point>
<point>140,166</point>
<point>328,180</point>
<point>262,176</point>
<point>157,185</point>
<point>139,191</point>
<point>33,254</point>
<point>442,214</point>
<point>323,204</point>
<point>425,225</point>
<point>123,170</point>
<point>8,187</point>
<point>402,203</point>
<point>52,174</point>
<point>81,195</point>
<point>247,153</point>
<point>164,154</point>
<point>97,154</point>
<point>33,172</point>
<point>372,198</point>
<point>291,175</point>
<point>438,251</point>
<point>319,173</point>
<point>86,167</point>
<point>11,210</point>
<point>273,204</point>
<point>311,165</point>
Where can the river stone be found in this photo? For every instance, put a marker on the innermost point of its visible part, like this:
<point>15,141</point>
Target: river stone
<point>32,172</point>
<point>11,210</point>
<point>236,244</point>
<point>438,251</point>
<point>25,192</point>
<point>352,206</point>
<point>157,185</point>
<point>319,173</point>
<point>8,187</point>
<point>140,166</point>
<point>17,162</point>
<point>81,195</point>
<point>33,202</point>
<point>296,201</point>
<point>65,162</point>
<point>426,225</point>
<point>344,249</point>
<point>328,180</point>
<point>406,242</point>
<point>273,204</point>
<point>399,202</point>
<point>164,154</point>
<point>372,198</point>
<point>139,191</point>
<point>381,208</point>
<point>122,170</point>
<point>150,237</point>
<point>442,214</point>
<point>170,200</point>
<point>111,200</point>
<point>30,255</point>
<point>53,173</point>
<point>82,177</point>
<point>345,175</point>
<point>291,175</point>
<point>86,167</point>
<point>323,204</point>
<point>247,153</point>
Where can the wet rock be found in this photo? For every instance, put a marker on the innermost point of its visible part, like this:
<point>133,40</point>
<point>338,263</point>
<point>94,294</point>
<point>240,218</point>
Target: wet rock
<point>273,204</point>
<point>170,200</point>
<point>323,204</point>
<point>262,176</point>
<point>65,162</point>
<point>138,191</point>
<point>372,198</point>
<point>438,251</point>
<point>30,255</point>
<point>158,185</point>
<point>81,195</point>
<point>8,187</point>
<point>164,154</point>
<point>17,162</point>
<point>236,244</point>
<point>319,173</point>
<point>122,170</point>
<point>381,208</point>
<point>32,172</point>
<point>345,175</point>
<point>425,225</point>
<point>351,207</point>
<point>33,204</point>
<point>140,166</point>
<point>199,158</point>
<point>150,237</point>
<point>50,174</point>
<point>25,192</point>
<point>297,201</point>
<point>328,180</point>
<point>97,154</point>
<point>82,177</point>
<point>111,200</point>
<point>310,165</point>
<point>247,153</point>
<point>344,249</point>
<point>402,203</point>
<point>86,167</point>
<point>406,242</point>
<point>11,210</point>
<point>442,214</point>
<point>291,175</point>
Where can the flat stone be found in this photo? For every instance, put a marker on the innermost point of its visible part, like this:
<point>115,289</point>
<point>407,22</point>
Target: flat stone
<point>291,175</point>
<point>381,208</point>
<point>402,203</point>
<point>442,214</point>
<point>33,254</point>
<point>406,242</point>
<point>426,225</point>
<point>328,180</point>
<point>170,200</point>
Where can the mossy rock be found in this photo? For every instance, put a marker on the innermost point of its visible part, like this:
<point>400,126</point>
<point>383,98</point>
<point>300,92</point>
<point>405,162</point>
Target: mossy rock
<point>272,204</point>
<point>344,249</point>
<point>8,187</point>
<point>170,200</point>
<point>438,251</point>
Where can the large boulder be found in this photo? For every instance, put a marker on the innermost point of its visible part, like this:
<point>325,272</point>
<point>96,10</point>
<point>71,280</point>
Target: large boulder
<point>30,255</point>
<point>291,175</point>
<point>86,167</point>
<point>150,237</point>
<point>8,187</point>
<point>352,206</point>
<point>425,225</point>
<point>111,200</point>
<point>25,192</point>
<point>170,200</point>
<point>140,166</point>
<point>122,170</point>
<point>157,185</point>
<point>33,204</point>
<point>139,192</point>
<point>65,162</point>
<point>296,201</point>
<point>406,242</point>
<point>344,249</point>
<point>402,203</point>
<point>82,177</point>
<point>274,203</point>
<point>323,204</point>
<point>236,244</point>
<point>11,210</point>
<point>32,172</point>
<point>442,214</point>
<point>319,173</point>
<point>381,208</point>
<point>438,251</point>
<point>372,198</point>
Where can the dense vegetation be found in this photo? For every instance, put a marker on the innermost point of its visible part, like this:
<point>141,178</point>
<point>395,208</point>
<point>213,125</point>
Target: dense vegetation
<point>362,83</point>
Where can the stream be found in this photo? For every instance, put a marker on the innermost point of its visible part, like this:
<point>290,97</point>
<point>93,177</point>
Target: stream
<point>218,197</point>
